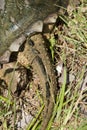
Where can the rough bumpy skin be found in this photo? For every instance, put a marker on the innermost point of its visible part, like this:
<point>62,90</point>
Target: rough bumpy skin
<point>36,56</point>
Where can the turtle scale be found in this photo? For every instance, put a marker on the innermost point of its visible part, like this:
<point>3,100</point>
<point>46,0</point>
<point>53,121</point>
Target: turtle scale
<point>17,19</point>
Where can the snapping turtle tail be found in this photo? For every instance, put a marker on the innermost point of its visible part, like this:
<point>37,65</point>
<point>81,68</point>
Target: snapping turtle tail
<point>47,94</point>
<point>47,116</point>
<point>42,65</point>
